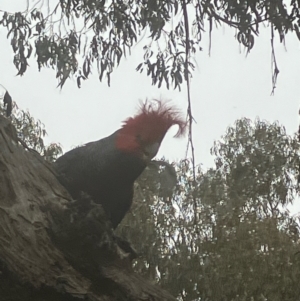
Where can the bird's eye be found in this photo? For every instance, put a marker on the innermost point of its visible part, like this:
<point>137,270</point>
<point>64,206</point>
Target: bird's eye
<point>142,145</point>
<point>139,139</point>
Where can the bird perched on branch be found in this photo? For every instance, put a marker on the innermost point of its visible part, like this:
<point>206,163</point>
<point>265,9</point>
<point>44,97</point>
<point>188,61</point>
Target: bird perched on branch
<point>106,169</point>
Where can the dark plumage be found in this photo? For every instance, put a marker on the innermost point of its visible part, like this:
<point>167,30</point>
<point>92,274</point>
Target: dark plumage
<point>106,169</point>
<point>104,172</point>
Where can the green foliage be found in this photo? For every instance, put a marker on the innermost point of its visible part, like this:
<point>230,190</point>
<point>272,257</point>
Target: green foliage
<point>103,32</point>
<point>31,133</point>
<point>228,235</point>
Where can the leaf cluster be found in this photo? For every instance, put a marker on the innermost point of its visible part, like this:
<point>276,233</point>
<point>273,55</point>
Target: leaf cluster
<point>72,36</point>
<point>31,133</point>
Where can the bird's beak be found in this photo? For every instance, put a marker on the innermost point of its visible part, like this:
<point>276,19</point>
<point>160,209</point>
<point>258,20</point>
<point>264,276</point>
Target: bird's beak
<point>151,150</point>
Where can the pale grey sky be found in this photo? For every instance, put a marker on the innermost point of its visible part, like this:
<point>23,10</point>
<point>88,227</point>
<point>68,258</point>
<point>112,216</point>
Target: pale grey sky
<point>226,86</point>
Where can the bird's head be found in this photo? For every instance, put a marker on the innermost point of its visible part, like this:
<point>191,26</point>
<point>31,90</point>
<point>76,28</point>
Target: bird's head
<point>143,133</point>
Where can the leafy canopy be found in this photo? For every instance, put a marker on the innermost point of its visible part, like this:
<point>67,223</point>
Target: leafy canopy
<point>228,235</point>
<point>72,36</point>
<point>30,132</point>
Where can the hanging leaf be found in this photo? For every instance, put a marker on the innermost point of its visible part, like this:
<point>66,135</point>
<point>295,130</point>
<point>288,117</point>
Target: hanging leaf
<point>7,100</point>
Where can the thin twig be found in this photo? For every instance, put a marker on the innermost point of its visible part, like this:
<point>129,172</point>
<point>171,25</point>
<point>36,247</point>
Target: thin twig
<point>275,70</point>
<point>210,31</point>
<point>189,109</point>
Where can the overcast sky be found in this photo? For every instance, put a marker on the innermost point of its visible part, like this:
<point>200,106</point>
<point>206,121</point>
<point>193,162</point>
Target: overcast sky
<point>226,86</point>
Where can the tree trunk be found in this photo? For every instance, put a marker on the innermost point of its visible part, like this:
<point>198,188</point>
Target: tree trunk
<point>54,248</point>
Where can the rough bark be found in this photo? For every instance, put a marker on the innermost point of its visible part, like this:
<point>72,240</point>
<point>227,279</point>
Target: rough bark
<point>54,248</point>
